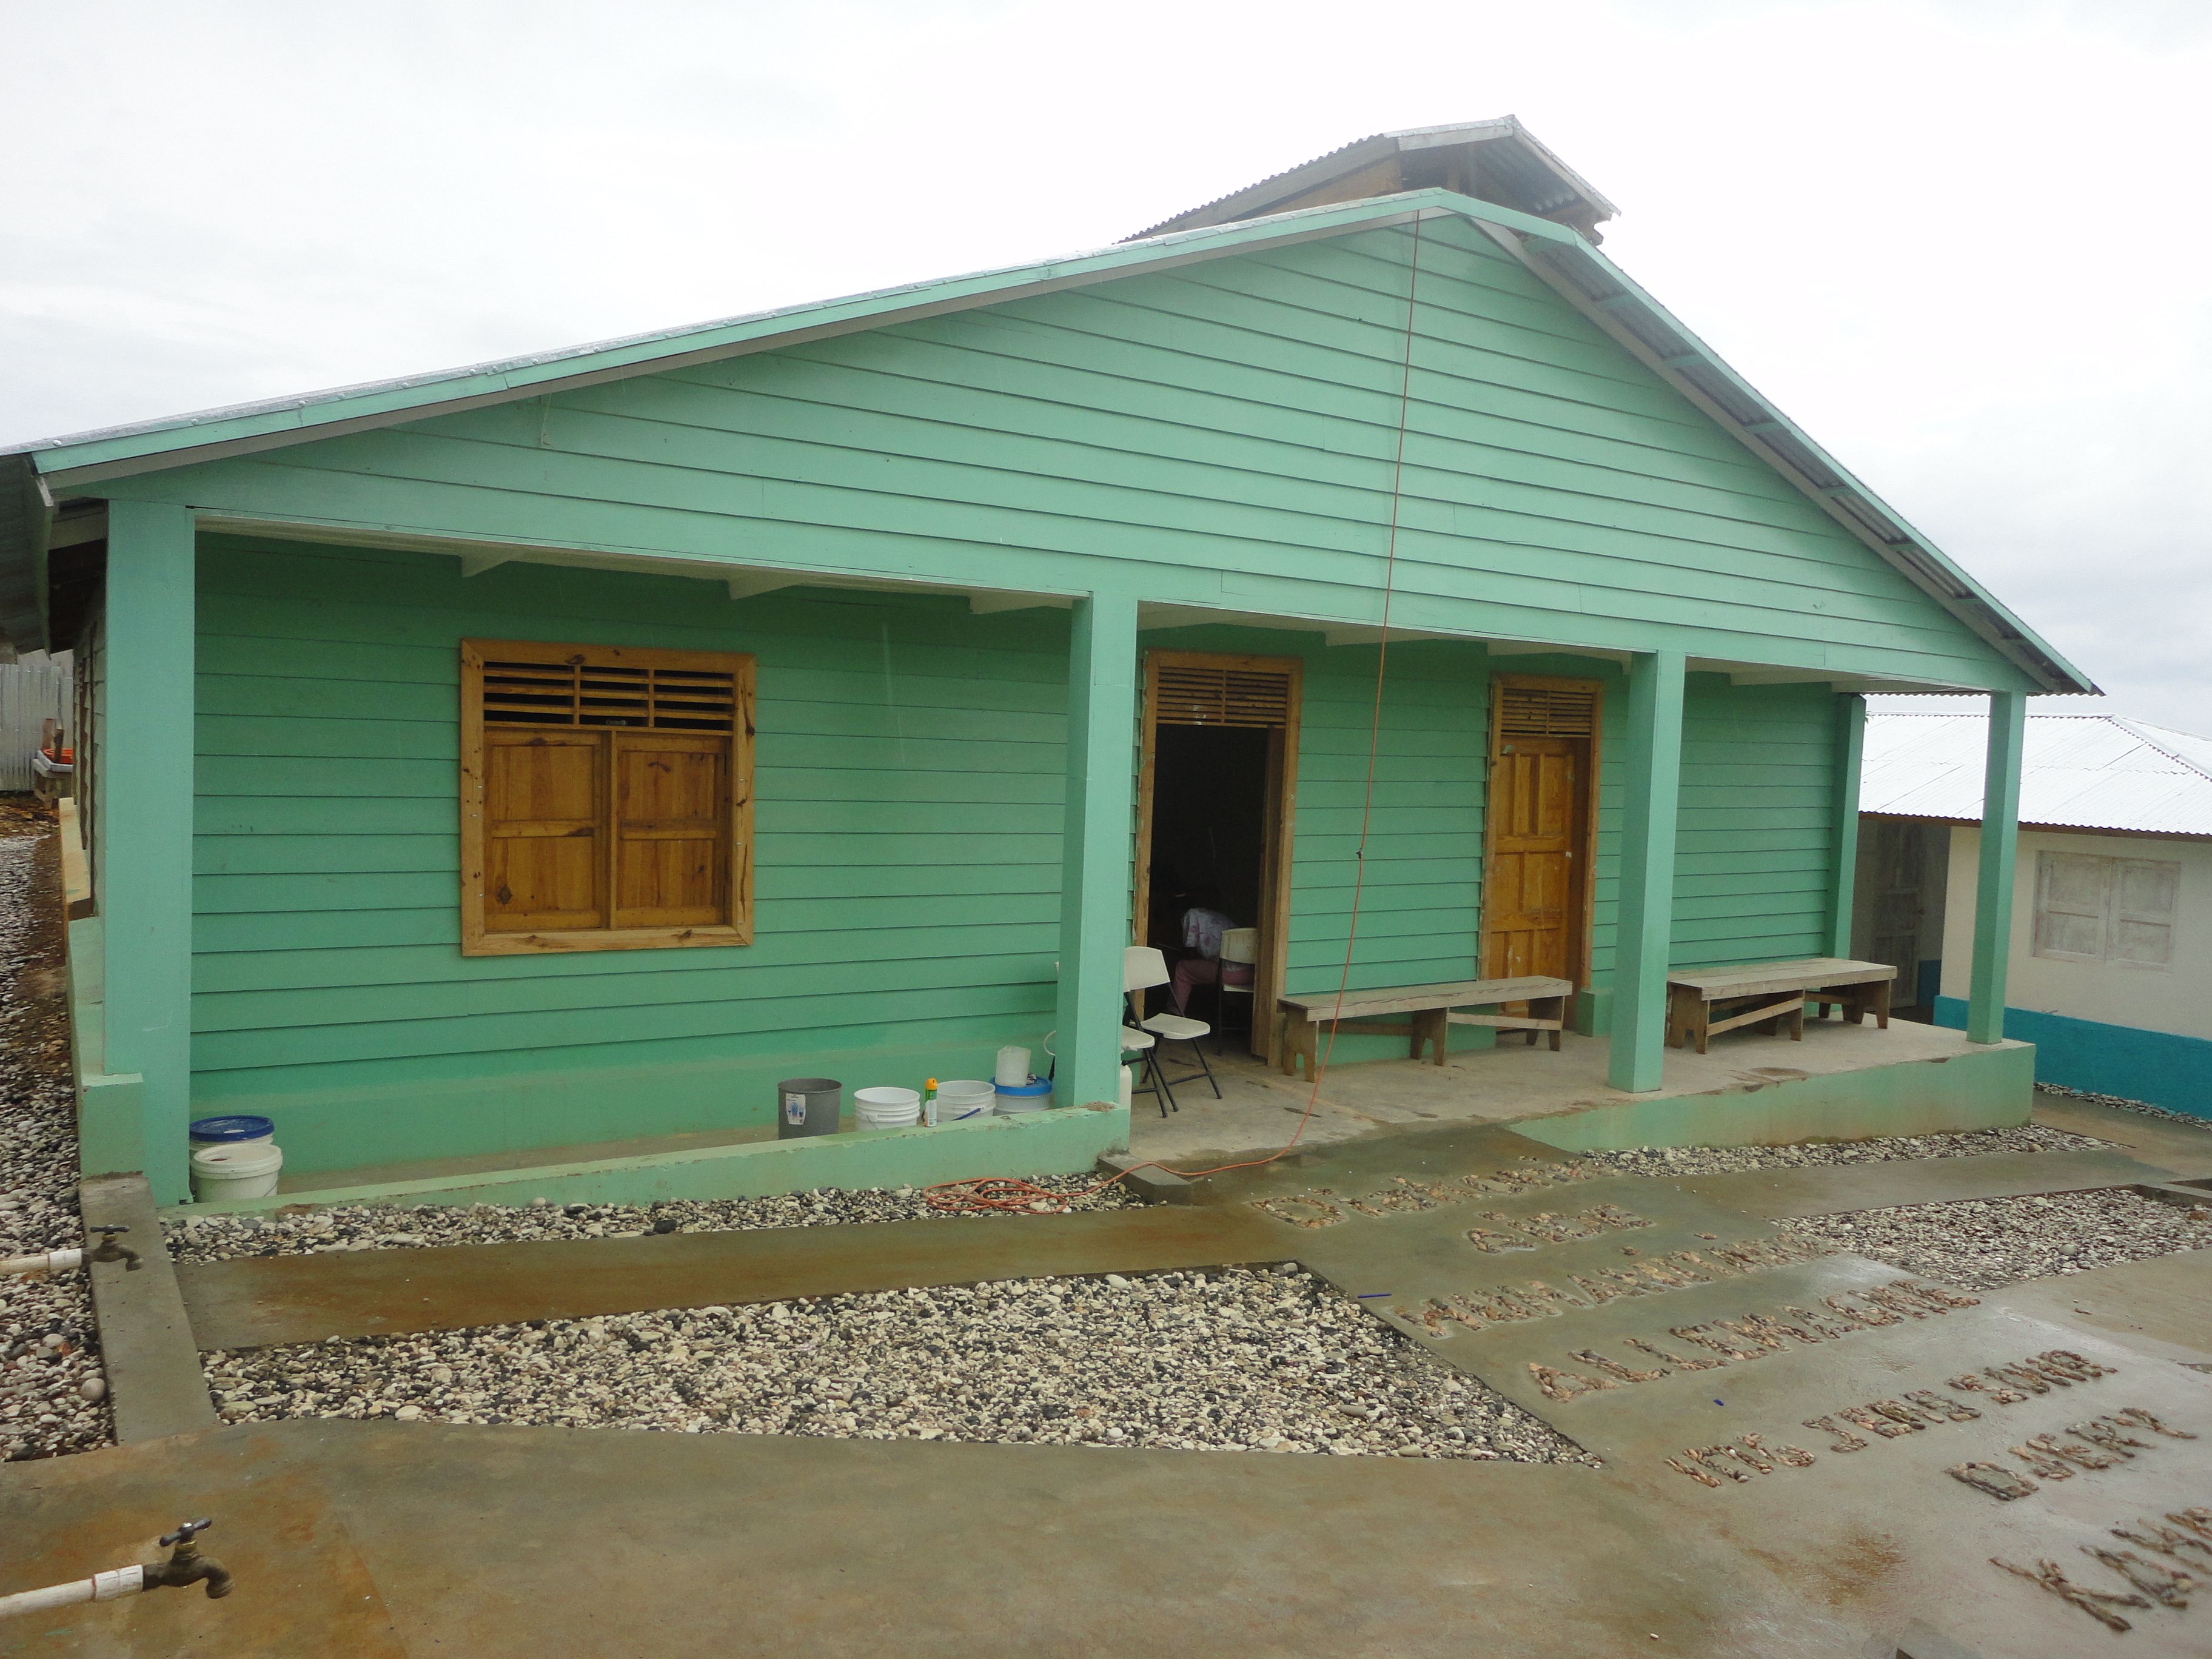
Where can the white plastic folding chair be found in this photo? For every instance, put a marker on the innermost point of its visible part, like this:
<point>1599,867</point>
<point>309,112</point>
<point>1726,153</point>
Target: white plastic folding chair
<point>1142,968</point>
<point>1240,946</point>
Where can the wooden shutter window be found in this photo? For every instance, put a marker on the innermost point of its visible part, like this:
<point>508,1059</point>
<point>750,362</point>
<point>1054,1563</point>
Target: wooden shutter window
<point>1546,711</point>
<point>607,800</point>
<point>1201,694</point>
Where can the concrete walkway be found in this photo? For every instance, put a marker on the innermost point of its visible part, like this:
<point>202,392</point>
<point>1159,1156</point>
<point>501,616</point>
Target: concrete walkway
<point>1831,1189</point>
<point>377,1540</point>
<point>253,1301</point>
<point>397,1540</point>
<point>2182,1149</point>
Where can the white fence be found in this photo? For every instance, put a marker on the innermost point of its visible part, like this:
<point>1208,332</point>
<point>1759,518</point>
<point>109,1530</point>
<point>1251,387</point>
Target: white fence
<point>31,693</point>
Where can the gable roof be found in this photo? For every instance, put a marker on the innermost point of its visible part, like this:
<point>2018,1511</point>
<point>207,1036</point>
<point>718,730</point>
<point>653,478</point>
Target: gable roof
<point>36,475</point>
<point>2077,772</point>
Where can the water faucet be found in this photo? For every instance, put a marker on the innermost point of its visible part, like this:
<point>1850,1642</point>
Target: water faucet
<point>108,1250</point>
<point>186,1565</point>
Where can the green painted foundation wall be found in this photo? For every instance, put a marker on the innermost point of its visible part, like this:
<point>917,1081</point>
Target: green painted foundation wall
<point>1067,1141</point>
<point>2159,1068</point>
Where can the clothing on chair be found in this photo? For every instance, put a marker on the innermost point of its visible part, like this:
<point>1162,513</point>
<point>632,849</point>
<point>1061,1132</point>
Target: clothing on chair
<point>1201,931</point>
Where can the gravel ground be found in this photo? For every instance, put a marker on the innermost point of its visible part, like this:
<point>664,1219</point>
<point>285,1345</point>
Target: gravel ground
<point>1720,1160</point>
<point>378,1227</point>
<point>49,1348</point>
<point>2126,1105</point>
<point>1238,1358</point>
<point>213,1238</point>
<point>1983,1243</point>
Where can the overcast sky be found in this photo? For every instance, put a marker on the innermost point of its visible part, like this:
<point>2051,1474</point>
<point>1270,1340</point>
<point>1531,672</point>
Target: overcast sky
<point>1959,240</point>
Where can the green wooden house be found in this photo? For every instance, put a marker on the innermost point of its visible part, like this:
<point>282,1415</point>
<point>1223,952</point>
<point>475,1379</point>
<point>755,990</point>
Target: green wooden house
<point>556,753</point>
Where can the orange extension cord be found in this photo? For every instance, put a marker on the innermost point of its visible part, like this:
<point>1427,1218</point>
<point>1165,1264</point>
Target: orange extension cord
<point>1014,1192</point>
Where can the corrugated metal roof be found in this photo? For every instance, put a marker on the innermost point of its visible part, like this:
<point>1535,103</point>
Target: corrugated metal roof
<point>2077,772</point>
<point>1546,184</point>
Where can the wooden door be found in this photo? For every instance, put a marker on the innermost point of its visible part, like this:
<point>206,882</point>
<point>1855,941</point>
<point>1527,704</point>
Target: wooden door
<point>1535,899</point>
<point>1899,871</point>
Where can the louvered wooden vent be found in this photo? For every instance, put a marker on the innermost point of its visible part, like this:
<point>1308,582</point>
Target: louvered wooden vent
<point>1541,711</point>
<point>1194,695</point>
<point>582,693</point>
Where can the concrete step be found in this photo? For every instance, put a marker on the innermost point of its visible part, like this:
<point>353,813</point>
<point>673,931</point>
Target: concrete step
<point>1831,1189</point>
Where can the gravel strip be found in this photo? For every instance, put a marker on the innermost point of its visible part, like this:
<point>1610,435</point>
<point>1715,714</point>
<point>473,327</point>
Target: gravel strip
<point>1232,1359</point>
<point>1983,1243</point>
<point>2142,1107</point>
<point>381,1227</point>
<point>1722,1160</point>
<point>52,1391</point>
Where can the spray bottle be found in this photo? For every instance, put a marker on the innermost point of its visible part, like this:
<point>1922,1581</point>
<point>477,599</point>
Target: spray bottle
<point>929,1103</point>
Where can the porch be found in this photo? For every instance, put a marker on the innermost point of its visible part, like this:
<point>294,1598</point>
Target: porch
<point>1842,1083</point>
<point>942,854</point>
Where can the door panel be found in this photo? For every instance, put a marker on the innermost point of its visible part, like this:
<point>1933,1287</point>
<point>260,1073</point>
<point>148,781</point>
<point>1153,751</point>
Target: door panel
<point>1534,908</point>
<point>1531,905</point>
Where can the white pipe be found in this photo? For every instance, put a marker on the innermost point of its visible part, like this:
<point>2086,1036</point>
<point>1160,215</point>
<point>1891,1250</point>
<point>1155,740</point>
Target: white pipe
<point>100,1587</point>
<point>52,1262</point>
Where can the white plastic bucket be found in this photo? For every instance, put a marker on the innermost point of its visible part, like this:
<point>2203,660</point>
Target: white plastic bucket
<point>227,1172</point>
<point>886,1109</point>
<point>964,1097</point>
<point>1013,1066</point>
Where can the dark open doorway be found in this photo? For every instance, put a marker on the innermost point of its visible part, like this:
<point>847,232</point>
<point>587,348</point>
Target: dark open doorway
<point>1215,809</point>
<point>1209,826</point>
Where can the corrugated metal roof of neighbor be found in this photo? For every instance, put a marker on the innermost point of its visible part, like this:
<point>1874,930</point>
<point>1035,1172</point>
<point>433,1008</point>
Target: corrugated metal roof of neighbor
<point>2078,772</point>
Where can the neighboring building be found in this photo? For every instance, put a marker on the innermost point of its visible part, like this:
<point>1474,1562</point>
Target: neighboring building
<point>2111,959</point>
<point>563,750</point>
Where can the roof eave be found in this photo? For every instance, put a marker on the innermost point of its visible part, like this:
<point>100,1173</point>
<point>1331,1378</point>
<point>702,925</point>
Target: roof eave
<point>81,459</point>
<point>1608,297</point>
<point>1564,260</point>
<point>26,513</point>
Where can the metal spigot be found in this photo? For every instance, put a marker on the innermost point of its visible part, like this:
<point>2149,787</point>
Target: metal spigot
<point>186,1565</point>
<point>108,1250</point>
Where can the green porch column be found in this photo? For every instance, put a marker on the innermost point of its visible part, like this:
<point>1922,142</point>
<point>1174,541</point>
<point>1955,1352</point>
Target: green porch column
<point>1647,871</point>
<point>1993,886</point>
<point>1094,902</point>
<point>145,806</point>
<point>1850,754</point>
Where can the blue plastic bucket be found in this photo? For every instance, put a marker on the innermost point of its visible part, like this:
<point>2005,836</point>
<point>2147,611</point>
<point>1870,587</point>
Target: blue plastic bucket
<point>1018,1097</point>
<point>233,1132</point>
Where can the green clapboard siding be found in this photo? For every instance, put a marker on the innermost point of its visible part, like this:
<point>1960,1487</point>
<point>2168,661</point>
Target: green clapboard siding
<point>909,772</point>
<point>1221,434</point>
<point>910,763</point>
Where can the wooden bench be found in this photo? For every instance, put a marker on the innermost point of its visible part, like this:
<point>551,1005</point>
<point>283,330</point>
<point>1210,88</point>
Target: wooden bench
<point>1432,1011</point>
<point>1703,1004</point>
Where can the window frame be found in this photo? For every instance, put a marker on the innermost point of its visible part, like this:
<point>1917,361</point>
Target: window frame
<point>2110,911</point>
<point>477,940</point>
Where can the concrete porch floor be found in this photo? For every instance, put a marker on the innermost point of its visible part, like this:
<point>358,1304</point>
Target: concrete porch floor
<point>1515,1084</point>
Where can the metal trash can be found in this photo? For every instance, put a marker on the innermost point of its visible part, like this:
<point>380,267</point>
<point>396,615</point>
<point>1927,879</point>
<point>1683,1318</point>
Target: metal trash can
<point>807,1106</point>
